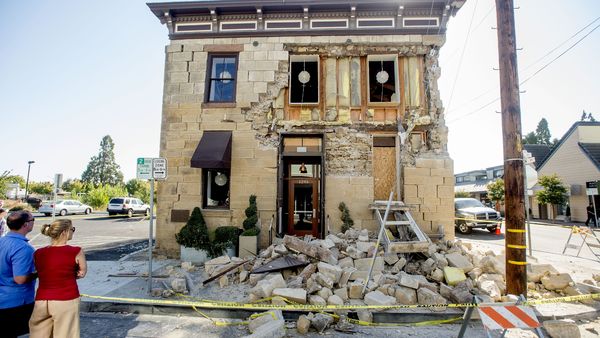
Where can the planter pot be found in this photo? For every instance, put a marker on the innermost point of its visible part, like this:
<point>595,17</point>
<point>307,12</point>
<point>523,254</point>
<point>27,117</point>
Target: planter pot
<point>248,246</point>
<point>193,255</point>
<point>230,251</point>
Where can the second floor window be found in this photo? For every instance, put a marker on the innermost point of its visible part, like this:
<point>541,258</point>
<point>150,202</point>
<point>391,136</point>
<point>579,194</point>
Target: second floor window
<point>304,79</point>
<point>221,82</point>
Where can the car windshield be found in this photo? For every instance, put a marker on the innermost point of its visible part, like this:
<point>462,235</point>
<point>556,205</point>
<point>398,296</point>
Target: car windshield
<point>469,203</point>
<point>116,201</point>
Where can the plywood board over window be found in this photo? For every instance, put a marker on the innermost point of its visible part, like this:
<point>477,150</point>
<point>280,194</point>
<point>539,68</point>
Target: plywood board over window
<point>384,166</point>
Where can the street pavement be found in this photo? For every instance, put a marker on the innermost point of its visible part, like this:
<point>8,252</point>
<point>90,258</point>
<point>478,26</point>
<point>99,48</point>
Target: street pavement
<point>95,231</point>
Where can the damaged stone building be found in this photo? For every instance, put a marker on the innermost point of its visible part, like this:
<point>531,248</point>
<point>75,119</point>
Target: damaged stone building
<point>304,104</point>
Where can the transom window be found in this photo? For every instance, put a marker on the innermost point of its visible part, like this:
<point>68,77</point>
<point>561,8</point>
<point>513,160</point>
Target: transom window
<point>221,83</point>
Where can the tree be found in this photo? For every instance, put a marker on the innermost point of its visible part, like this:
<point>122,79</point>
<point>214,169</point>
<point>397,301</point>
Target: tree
<point>553,192</point>
<point>461,194</point>
<point>347,221</point>
<point>530,138</point>
<point>103,169</point>
<point>542,132</point>
<point>250,228</point>
<point>495,191</point>
<point>41,188</point>
<point>6,179</point>
<point>139,188</point>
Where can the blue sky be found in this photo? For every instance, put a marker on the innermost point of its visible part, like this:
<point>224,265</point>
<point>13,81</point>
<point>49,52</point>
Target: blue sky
<point>74,71</point>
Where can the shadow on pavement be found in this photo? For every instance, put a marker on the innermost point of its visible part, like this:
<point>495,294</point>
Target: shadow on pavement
<point>481,235</point>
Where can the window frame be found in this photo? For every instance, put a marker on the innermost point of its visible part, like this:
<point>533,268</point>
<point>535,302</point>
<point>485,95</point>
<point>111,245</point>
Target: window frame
<point>305,58</point>
<point>210,79</point>
<point>204,188</point>
<point>397,84</point>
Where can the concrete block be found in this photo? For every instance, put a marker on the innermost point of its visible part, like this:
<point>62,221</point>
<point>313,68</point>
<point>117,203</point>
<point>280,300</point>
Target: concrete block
<point>378,298</point>
<point>454,275</point>
<point>459,261</point>
<point>296,295</point>
<point>405,295</point>
<point>332,271</point>
<point>561,329</point>
<point>364,264</point>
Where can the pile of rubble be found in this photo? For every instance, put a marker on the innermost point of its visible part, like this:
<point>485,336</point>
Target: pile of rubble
<point>333,271</point>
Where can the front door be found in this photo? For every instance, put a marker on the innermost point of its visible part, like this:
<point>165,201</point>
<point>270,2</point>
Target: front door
<point>303,205</point>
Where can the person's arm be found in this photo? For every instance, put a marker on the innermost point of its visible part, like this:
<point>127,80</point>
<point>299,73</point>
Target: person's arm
<point>82,263</point>
<point>26,279</point>
<point>23,268</point>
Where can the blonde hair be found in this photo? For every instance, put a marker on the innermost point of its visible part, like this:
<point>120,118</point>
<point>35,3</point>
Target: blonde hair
<point>56,228</point>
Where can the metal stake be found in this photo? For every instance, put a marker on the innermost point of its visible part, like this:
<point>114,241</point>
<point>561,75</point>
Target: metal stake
<point>150,232</point>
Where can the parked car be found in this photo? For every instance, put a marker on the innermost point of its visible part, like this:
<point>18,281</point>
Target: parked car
<point>471,213</point>
<point>64,207</point>
<point>127,206</point>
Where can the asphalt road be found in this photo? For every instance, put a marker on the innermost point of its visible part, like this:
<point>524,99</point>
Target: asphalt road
<point>546,240</point>
<point>96,231</point>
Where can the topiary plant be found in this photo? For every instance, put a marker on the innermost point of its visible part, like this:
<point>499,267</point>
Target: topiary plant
<point>227,235</point>
<point>194,234</point>
<point>249,224</point>
<point>347,221</point>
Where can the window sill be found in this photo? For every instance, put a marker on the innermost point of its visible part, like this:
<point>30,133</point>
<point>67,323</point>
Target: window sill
<point>219,105</point>
<point>216,212</point>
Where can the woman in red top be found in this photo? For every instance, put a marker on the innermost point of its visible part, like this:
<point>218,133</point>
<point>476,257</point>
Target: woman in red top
<point>56,310</point>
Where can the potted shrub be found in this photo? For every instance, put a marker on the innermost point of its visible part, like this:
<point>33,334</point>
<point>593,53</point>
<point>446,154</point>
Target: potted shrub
<point>347,221</point>
<point>228,237</point>
<point>194,242</point>
<point>249,238</point>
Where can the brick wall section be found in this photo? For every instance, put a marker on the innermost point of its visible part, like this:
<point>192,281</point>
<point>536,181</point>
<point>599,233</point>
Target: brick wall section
<point>429,188</point>
<point>262,72</point>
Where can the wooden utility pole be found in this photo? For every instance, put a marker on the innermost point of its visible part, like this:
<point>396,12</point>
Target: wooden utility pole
<point>516,265</point>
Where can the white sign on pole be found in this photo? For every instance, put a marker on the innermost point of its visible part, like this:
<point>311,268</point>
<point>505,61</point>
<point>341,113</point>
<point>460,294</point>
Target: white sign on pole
<point>591,188</point>
<point>144,168</point>
<point>159,168</point>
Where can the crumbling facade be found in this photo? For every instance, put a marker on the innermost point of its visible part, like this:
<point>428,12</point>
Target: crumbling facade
<point>304,104</point>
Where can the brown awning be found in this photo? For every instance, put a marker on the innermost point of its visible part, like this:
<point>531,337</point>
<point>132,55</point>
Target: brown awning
<point>213,151</point>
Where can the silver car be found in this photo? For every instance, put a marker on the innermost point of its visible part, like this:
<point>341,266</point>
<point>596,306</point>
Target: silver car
<point>64,207</point>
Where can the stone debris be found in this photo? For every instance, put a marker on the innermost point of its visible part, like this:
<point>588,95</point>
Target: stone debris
<point>337,268</point>
<point>561,329</point>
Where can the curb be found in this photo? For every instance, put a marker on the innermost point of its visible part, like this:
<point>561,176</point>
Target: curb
<point>406,316</point>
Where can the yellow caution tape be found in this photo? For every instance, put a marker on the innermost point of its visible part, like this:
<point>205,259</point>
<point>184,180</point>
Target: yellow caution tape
<point>517,262</point>
<point>515,246</point>
<point>519,231</point>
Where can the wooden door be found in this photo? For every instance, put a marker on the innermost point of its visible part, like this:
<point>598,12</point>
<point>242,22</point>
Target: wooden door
<point>303,207</point>
<point>384,172</point>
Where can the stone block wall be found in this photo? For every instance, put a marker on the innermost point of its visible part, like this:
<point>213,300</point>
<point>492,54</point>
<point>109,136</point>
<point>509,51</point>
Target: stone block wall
<point>261,77</point>
<point>429,189</point>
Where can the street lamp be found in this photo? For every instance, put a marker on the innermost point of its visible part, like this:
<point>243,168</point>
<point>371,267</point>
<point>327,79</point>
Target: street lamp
<point>29,163</point>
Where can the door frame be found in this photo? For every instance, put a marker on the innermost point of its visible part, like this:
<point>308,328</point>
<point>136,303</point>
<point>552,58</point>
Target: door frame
<point>283,160</point>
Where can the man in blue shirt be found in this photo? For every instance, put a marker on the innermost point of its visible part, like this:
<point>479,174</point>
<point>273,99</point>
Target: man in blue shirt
<point>17,276</point>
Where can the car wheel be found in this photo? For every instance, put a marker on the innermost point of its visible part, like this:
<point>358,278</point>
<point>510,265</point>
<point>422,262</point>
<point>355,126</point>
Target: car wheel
<point>492,229</point>
<point>63,212</point>
<point>147,212</point>
<point>88,211</point>
<point>464,228</point>
<point>48,214</point>
<point>130,213</point>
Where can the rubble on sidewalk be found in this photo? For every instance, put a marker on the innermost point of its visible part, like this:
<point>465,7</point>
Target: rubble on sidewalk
<point>333,271</point>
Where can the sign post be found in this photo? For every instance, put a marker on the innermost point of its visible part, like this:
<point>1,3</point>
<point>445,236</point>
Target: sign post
<point>57,183</point>
<point>151,169</point>
<point>591,188</point>
<point>527,160</point>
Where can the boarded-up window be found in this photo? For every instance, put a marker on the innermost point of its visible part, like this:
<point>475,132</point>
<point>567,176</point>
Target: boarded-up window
<point>304,79</point>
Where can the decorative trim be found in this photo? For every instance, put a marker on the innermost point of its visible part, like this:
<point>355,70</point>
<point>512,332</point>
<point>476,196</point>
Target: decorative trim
<point>371,23</point>
<point>231,26</point>
<point>282,23</point>
<point>420,22</point>
<point>224,48</point>
<point>329,24</point>
<point>195,27</point>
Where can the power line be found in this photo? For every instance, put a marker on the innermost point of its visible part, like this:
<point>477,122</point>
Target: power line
<point>535,73</point>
